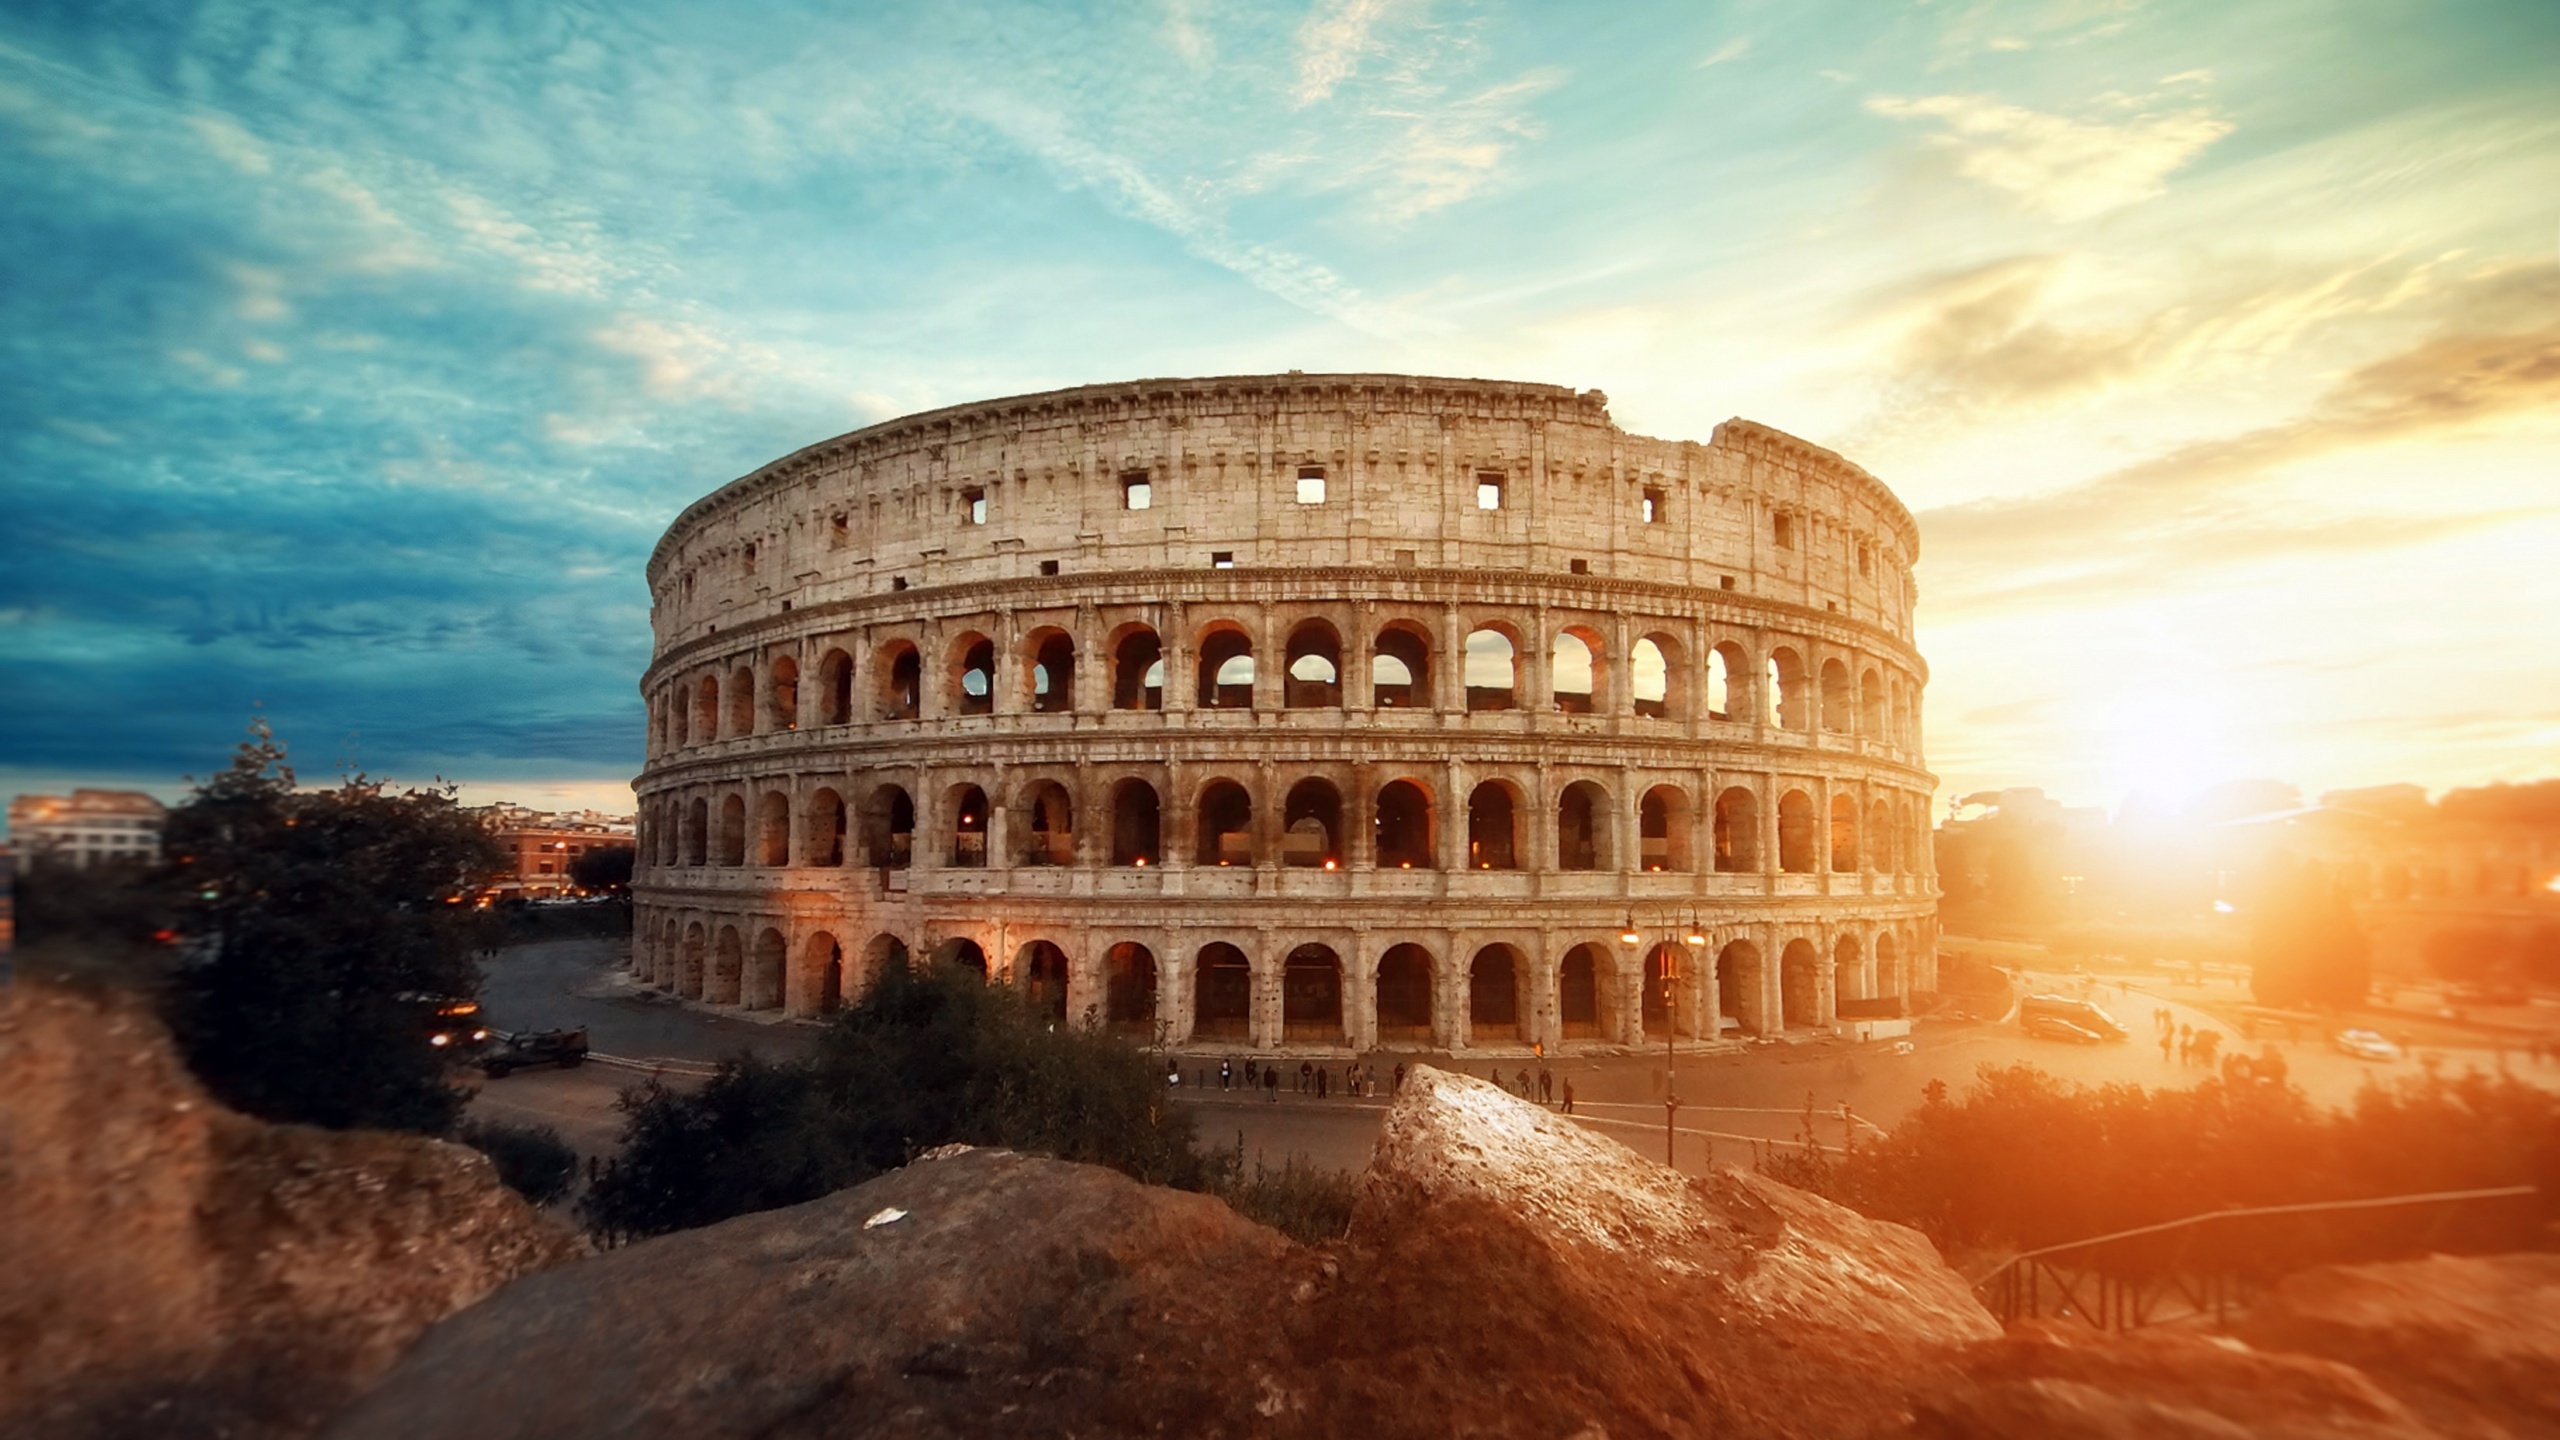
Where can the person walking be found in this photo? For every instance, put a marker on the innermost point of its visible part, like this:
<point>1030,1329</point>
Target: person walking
<point>1568,1096</point>
<point>1399,1085</point>
<point>1320,1080</point>
<point>1525,1091</point>
<point>1271,1083</point>
<point>1226,1074</point>
<point>1306,1076</point>
<point>1546,1085</point>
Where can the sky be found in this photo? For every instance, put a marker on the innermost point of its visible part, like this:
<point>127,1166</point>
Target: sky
<point>352,357</point>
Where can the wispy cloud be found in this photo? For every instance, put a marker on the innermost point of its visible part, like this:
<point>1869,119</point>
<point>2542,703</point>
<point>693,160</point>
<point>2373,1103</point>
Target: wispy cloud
<point>1731,50</point>
<point>2064,168</point>
<point>1334,38</point>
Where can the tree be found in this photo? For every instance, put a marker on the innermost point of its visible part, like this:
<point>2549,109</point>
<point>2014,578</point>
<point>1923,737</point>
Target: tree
<point>2305,947</point>
<point>320,927</point>
<point>604,870</point>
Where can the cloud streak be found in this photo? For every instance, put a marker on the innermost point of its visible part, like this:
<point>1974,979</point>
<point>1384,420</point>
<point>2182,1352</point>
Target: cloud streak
<point>2054,165</point>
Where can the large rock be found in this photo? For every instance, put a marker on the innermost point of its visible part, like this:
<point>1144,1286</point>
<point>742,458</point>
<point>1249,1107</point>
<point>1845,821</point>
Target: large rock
<point>174,1268</point>
<point>2471,1342</point>
<point>1507,1274</point>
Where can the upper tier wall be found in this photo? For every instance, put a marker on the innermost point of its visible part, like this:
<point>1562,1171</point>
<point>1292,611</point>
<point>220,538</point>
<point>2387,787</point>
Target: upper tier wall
<point>1755,511</point>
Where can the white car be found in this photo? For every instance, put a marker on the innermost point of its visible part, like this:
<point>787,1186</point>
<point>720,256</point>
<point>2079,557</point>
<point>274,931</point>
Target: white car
<point>2365,1045</point>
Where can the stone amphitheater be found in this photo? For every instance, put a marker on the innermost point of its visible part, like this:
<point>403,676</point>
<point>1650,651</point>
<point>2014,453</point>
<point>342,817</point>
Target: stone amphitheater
<point>1315,712</point>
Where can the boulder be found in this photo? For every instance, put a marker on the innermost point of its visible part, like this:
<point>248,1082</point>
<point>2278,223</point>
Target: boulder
<point>175,1268</point>
<point>2472,1342</point>
<point>1507,1274</point>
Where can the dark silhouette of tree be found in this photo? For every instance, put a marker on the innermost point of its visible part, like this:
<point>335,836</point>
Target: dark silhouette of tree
<point>320,927</point>
<point>605,870</point>
<point>2305,947</point>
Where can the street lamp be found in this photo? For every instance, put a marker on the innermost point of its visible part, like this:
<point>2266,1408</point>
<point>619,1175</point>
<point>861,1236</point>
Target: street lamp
<point>1671,957</point>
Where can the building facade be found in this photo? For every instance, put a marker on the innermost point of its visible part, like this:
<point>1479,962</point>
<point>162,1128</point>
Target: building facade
<point>87,827</point>
<point>1317,711</point>
<point>540,845</point>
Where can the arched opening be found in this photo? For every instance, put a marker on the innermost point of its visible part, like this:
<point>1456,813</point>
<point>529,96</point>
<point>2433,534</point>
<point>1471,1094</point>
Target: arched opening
<point>1040,968</point>
<point>1400,669</point>
<point>1048,828</point>
<point>1493,827</point>
<point>1312,821</point>
<point>1649,666</point>
<point>825,842</point>
<point>1848,971</point>
<point>968,814</point>
<point>733,830</point>
<point>773,829</point>
<point>1662,826</point>
<point>1137,671</point>
<point>976,677</point>
<point>763,988</point>
<point>1311,996</point>
<point>961,953</point>
<point>1573,670</point>
<point>824,960</point>
<point>1403,827</point>
<point>1666,971</point>
<point>680,717</point>
<point>1844,834</point>
<point>1404,995</point>
<point>1129,988</point>
<point>1492,671</point>
<point>742,701</point>
<point>1790,708</point>
<point>902,684</point>
<point>1799,985</point>
<point>1053,672</point>
<point>1314,676</point>
<point>1136,824</point>
<point>1871,705</point>
<point>1738,987</point>
<point>697,832</point>
<point>1494,1005</point>
<point>1226,670</point>
<point>835,688</point>
<point>1582,828</point>
<point>1880,845</point>
<point>1225,830</point>
<point>728,968</point>
<point>883,952</point>
<point>1728,683</point>
<point>706,709</point>
<point>1796,833</point>
<point>892,828</point>
<point>1737,831</point>
<point>782,695</point>
<point>1221,994</point>
<point>692,970</point>
<point>1578,993</point>
<point>1839,708</point>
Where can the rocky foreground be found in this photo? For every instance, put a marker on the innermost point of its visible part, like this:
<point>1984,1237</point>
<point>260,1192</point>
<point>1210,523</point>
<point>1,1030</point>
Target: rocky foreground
<point>1507,1274</point>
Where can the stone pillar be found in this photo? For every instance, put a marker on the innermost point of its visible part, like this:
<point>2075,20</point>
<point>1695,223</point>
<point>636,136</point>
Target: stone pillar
<point>1181,683</point>
<point>1270,661</point>
<point>1359,688</point>
<point>1009,688</point>
<point>1449,668</point>
<point>1091,693</point>
<point>1618,671</point>
<point>1269,1015</point>
<point>1360,993</point>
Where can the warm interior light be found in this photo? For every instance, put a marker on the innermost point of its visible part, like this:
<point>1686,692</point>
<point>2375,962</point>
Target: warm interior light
<point>1328,864</point>
<point>1141,861</point>
<point>1697,939</point>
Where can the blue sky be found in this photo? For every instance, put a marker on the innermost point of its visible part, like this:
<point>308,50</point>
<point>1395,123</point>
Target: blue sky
<point>355,355</point>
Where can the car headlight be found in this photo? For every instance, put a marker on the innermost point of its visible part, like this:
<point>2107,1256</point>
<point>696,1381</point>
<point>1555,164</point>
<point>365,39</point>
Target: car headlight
<point>479,1034</point>
<point>438,1039</point>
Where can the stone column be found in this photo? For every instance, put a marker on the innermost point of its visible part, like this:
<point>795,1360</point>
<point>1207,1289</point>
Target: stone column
<point>1449,668</point>
<point>1181,684</point>
<point>1270,662</point>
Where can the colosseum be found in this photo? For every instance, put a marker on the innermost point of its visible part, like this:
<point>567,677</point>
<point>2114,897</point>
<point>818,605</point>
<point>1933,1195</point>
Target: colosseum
<point>1316,712</point>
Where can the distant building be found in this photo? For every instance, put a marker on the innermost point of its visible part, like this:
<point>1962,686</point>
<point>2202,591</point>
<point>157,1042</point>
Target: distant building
<point>88,826</point>
<point>539,845</point>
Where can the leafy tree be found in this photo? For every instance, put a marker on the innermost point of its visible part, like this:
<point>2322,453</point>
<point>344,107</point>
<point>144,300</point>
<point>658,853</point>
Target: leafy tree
<point>110,921</point>
<point>532,1159</point>
<point>2305,946</point>
<point>604,870</point>
<point>319,924</point>
<point>926,1058</point>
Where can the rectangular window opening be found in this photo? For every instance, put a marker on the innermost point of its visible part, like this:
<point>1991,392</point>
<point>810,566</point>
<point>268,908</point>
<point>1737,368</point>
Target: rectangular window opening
<point>1724,582</point>
<point>1782,529</point>
<point>747,558</point>
<point>1866,561</point>
<point>1048,567</point>
<point>1488,489</point>
<point>1135,491</point>
<point>840,531</point>
<point>1580,567</point>
<point>973,507</point>
<point>1310,484</point>
<point>897,582</point>
<point>1404,557</point>
<point>1654,507</point>
<point>1222,559</point>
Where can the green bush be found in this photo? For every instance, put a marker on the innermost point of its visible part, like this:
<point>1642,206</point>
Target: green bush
<point>1303,1201</point>
<point>926,1058</point>
<point>532,1159</point>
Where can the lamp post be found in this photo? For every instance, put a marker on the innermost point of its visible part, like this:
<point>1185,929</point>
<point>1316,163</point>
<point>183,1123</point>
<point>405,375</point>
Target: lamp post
<point>1671,954</point>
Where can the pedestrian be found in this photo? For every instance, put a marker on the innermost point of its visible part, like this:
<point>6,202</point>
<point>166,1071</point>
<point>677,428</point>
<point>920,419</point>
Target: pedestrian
<point>1320,1081</point>
<point>1546,1085</point>
<point>1399,1085</point>
<point>1306,1076</point>
<point>1271,1083</point>
<point>1226,1074</point>
<point>2166,1041</point>
<point>1524,1085</point>
<point>1568,1096</point>
<point>1254,1070</point>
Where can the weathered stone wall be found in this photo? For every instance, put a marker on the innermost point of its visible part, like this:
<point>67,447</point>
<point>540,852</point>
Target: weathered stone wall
<point>919,687</point>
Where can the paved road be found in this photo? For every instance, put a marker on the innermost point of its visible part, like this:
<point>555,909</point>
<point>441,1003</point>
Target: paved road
<point>1732,1101</point>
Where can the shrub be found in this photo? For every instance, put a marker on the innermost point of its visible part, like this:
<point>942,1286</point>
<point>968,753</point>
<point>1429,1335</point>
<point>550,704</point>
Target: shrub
<point>532,1159</point>
<point>926,1058</point>
<point>1303,1201</point>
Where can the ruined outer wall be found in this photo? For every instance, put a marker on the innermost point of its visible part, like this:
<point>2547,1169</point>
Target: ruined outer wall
<point>785,601</point>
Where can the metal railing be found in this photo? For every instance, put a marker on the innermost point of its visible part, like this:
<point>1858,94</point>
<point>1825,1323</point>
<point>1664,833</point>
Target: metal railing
<point>2129,1296</point>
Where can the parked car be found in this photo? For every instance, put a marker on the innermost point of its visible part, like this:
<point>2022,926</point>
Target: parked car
<point>519,1049</point>
<point>2084,1014</point>
<point>2054,1027</point>
<point>452,1022</point>
<point>2365,1045</point>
